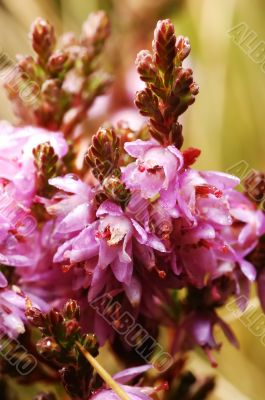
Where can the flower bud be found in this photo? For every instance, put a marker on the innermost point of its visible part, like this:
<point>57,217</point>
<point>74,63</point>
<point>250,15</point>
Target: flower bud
<point>164,45</point>
<point>145,66</point>
<point>90,343</point>
<point>43,38</point>
<point>116,190</point>
<point>182,47</point>
<point>58,62</point>
<point>96,30</point>
<point>72,327</point>
<point>103,154</point>
<point>35,317</point>
<point>55,317</point>
<point>71,309</point>
<point>48,348</point>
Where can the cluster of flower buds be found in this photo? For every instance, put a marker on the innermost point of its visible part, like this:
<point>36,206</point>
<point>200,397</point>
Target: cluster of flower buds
<point>46,161</point>
<point>103,157</point>
<point>60,333</point>
<point>169,86</point>
<point>57,87</point>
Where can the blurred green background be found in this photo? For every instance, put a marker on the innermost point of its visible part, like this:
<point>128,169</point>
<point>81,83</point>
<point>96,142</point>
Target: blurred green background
<point>226,121</point>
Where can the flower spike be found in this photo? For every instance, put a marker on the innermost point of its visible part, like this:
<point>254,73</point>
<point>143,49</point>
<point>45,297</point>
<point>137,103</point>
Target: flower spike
<point>170,89</point>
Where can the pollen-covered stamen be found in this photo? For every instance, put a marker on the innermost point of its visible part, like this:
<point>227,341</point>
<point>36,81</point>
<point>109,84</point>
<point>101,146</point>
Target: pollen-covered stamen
<point>113,229</point>
<point>206,190</point>
<point>105,234</point>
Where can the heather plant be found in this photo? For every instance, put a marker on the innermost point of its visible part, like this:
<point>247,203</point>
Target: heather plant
<point>133,241</point>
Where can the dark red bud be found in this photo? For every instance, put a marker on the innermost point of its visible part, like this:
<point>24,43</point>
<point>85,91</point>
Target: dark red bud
<point>72,327</point>
<point>71,310</point>
<point>35,317</point>
<point>48,347</point>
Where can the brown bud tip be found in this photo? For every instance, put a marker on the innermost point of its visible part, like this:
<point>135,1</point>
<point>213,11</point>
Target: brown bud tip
<point>43,37</point>
<point>90,343</point>
<point>55,317</point>
<point>48,347</point>
<point>35,317</point>
<point>71,310</point>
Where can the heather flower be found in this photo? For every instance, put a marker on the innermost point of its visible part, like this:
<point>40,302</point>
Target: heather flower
<point>17,168</point>
<point>155,172</point>
<point>16,234</point>
<point>108,241</point>
<point>73,206</point>
<point>35,278</point>
<point>248,226</point>
<point>197,329</point>
<point>12,306</point>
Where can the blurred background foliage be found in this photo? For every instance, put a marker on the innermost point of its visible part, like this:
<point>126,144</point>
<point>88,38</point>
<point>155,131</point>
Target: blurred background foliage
<point>226,121</point>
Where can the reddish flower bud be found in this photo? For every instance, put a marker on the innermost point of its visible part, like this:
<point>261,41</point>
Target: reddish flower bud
<point>72,327</point>
<point>48,348</point>
<point>103,154</point>
<point>145,67</point>
<point>96,30</point>
<point>35,317</point>
<point>55,317</point>
<point>43,38</point>
<point>71,310</point>
<point>164,45</point>
<point>58,62</point>
<point>182,47</point>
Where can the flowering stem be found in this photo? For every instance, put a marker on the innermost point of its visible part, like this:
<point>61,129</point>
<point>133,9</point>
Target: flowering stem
<point>104,374</point>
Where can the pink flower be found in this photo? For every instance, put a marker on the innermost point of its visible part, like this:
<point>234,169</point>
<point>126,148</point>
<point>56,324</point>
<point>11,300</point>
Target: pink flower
<point>197,329</point>
<point>74,208</point>
<point>12,308</point>
<point>108,242</point>
<point>155,171</point>
<point>17,168</point>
